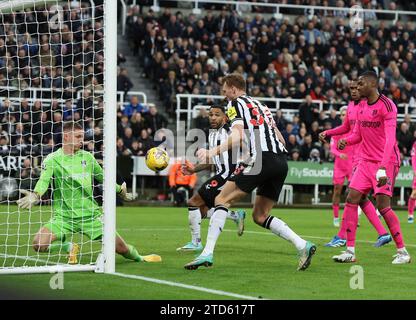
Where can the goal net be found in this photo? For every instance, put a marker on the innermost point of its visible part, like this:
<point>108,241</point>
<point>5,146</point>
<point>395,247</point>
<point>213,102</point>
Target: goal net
<point>52,72</point>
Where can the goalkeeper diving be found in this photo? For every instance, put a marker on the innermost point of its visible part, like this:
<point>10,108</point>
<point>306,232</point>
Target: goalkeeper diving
<point>71,172</point>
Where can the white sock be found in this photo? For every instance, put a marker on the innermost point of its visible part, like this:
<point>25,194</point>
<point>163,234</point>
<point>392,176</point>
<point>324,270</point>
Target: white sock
<point>351,249</point>
<point>210,212</point>
<point>281,229</point>
<point>378,213</point>
<point>360,211</point>
<point>216,225</point>
<point>230,214</point>
<point>194,215</point>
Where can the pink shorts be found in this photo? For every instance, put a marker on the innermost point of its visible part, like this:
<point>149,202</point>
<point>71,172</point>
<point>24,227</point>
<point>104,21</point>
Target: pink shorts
<point>342,171</point>
<point>340,175</point>
<point>364,178</point>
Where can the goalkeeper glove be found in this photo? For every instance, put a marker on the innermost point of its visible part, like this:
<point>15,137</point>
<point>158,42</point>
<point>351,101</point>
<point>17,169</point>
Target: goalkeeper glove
<point>29,200</point>
<point>124,194</point>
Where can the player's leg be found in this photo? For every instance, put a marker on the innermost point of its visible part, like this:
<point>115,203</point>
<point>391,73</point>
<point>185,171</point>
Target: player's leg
<point>228,194</point>
<point>361,184</point>
<point>51,238</point>
<point>195,204</point>
<point>411,205</point>
<point>43,240</point>
<point>336,197</point>
<point>351,219</point>
<point>370,212</point>
<point>393,223</point>
<point>128,251</point>
<point>261,216</point>
<point>209,191</point>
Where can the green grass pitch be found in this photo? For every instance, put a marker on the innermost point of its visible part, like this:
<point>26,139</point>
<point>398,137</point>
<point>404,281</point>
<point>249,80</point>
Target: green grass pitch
<point>258,264</point>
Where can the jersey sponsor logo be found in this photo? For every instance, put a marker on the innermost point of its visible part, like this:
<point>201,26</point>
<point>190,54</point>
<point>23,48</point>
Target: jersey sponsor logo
<point>231,113</point>
<point>370,124</point>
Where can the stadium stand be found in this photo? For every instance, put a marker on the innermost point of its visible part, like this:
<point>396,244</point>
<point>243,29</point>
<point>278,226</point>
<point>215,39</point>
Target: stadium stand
<point>301,57</point>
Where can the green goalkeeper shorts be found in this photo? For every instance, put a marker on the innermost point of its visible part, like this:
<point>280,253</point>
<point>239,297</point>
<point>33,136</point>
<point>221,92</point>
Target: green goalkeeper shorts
<point>59,226</point>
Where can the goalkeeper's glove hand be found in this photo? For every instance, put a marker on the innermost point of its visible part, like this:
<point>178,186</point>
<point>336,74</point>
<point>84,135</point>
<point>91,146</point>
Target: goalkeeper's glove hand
<point>126,196</point>
<point>29,200</point>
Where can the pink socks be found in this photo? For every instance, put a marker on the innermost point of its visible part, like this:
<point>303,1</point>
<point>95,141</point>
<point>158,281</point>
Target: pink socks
<point>351,217</point>
<point>371,214</point>
<point>394,225</point>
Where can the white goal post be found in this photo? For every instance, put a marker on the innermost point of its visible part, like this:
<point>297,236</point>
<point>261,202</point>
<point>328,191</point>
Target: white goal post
<point>67,50</point>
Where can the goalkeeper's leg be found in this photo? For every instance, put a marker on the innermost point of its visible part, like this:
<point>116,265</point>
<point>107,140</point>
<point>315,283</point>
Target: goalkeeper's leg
<point>50,241</point>
<point>130,252</point>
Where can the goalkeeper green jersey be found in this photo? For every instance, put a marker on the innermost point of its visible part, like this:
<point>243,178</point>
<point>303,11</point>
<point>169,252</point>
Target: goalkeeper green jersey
<point>71,178</point>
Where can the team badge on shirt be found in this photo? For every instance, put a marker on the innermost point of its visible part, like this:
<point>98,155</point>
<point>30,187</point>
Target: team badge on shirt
<point>84,163</point>
<point>231,113</point>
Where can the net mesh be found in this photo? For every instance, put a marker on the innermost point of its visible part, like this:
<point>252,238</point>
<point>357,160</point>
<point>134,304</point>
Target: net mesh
<point>51,72</point>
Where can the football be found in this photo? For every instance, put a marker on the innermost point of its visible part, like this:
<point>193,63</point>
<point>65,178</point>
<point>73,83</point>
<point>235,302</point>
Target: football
<point>157,159</point>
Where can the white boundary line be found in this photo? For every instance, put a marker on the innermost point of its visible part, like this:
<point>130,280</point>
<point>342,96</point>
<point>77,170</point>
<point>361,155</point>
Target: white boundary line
<point>186,286</point>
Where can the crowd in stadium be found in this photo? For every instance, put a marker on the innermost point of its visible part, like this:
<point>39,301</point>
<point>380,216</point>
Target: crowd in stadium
<point>311,58</point>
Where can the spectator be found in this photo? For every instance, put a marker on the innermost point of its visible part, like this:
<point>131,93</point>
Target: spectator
<point>295,155</point>
<point>404,139</point>
<point>306,148</point>
<point>146,141</point>
<point>291,143</point>
<point>121,148</point>
<point>308,111</point>
<point>134,107</point>
<point>128,137</point>
<point>314,156</point>
<point>177,181</point>
<point>28,175</point>
<point>154,120</point>
<point>123,81</point>
<point>314,132</point>
<point>202,121</point>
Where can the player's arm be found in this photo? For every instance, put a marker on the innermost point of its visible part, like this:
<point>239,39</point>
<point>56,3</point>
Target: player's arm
<point>189,169</point>
<point>390,125</point>
<point>353,138</point>
<point>342,129</point>
<point>32,198</point>
<point>98,173</point>
<point>334,150</point>
<point>279,135</point>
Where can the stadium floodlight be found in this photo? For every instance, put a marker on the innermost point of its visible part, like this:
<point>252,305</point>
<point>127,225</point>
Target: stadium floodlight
<point>58,64</point>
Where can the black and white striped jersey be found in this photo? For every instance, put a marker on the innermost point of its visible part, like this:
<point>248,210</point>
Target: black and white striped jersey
<point>224,162</point>
<point>259,125</point>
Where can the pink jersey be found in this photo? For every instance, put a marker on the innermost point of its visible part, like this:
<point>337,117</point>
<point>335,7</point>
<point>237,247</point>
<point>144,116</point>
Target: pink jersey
<point>342,164</point>
<point>346,128</point>
<point>413,154</point>
<point>376,130</point>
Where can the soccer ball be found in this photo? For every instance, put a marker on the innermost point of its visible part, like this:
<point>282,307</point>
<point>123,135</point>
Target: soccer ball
<point>157,159</point>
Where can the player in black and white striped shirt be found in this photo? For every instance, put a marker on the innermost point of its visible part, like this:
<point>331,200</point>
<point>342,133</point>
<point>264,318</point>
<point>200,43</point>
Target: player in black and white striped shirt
<point>266,170</point>
<point>201,205</point>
